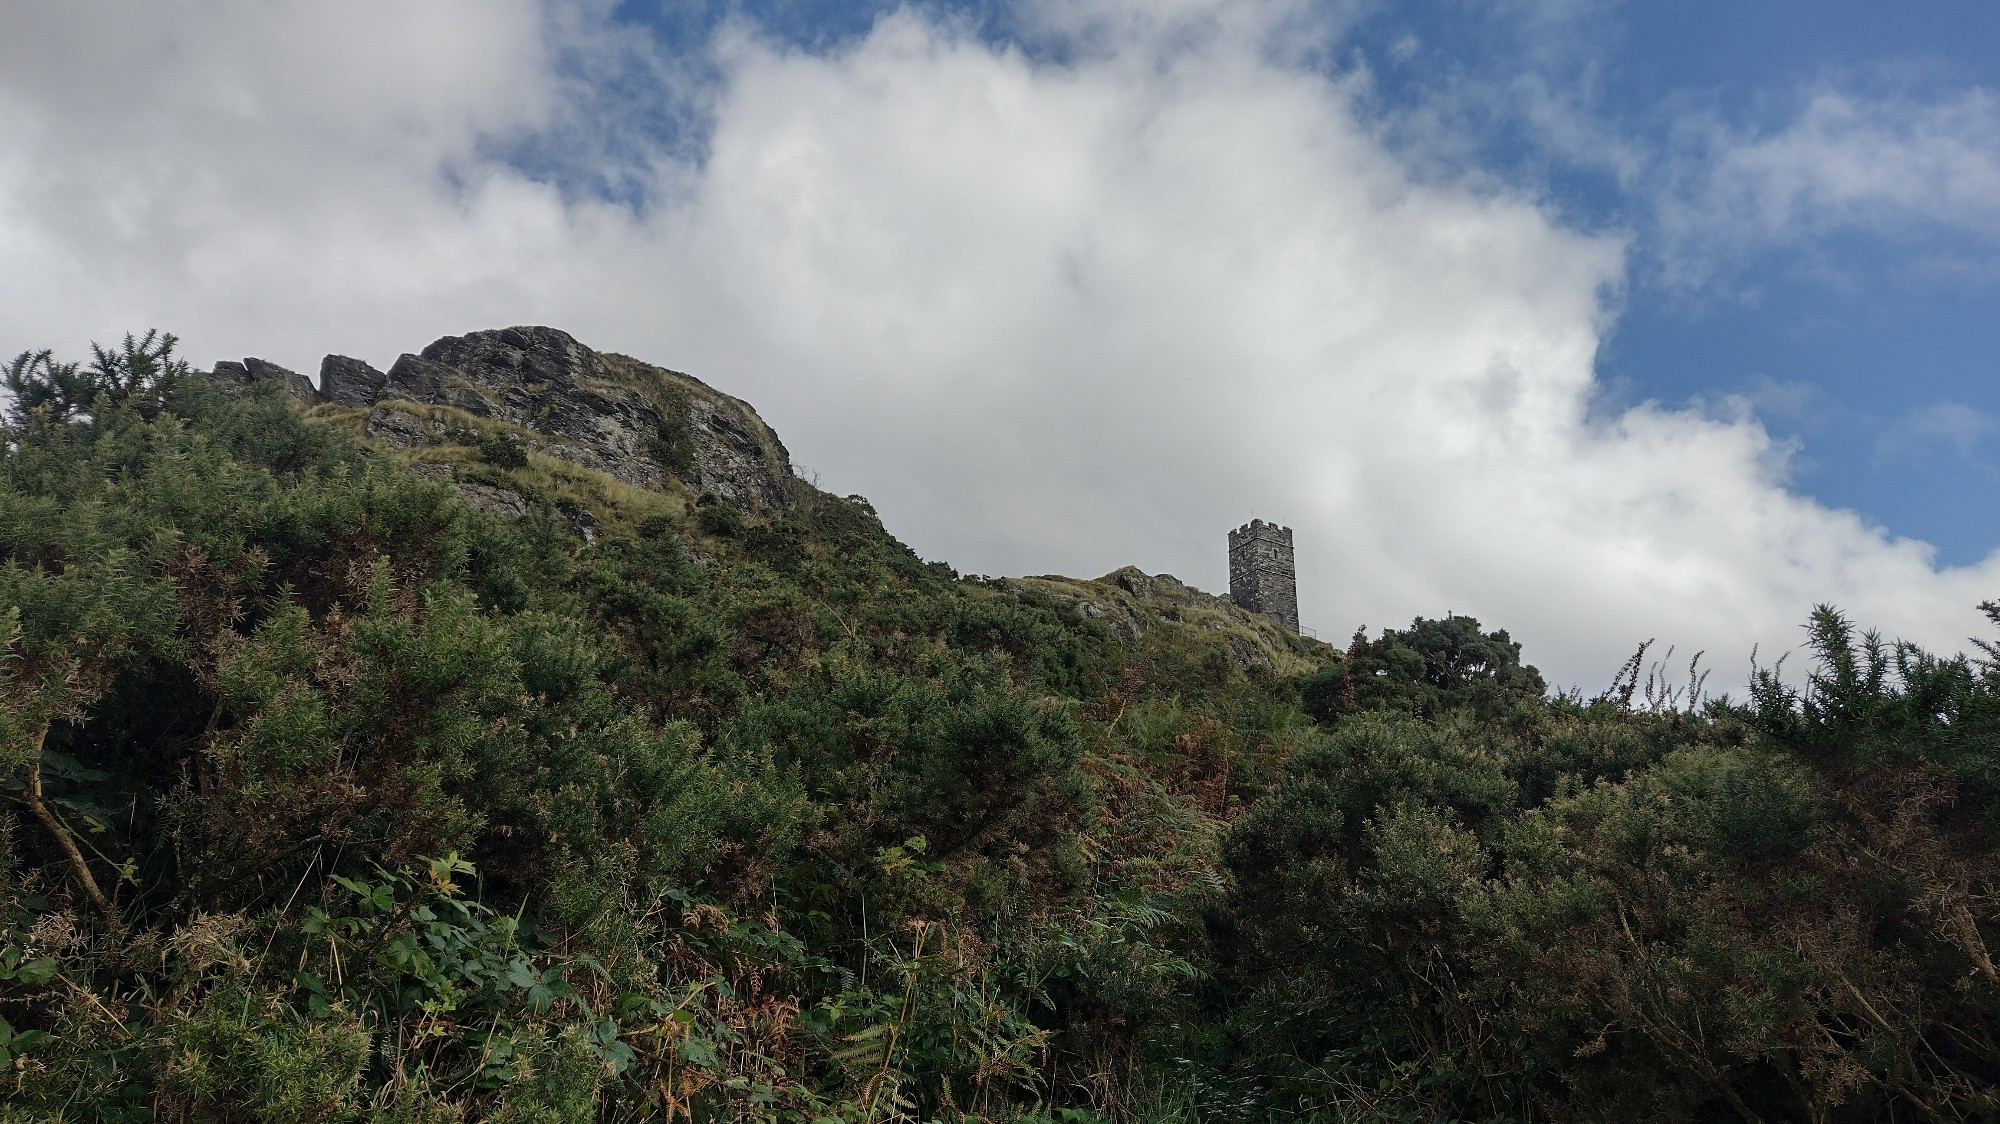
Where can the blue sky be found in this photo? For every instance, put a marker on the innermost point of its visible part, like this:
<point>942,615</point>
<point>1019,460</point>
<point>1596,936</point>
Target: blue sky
<point>1847,340</point>
<point>1872,344</point>
<point>1597,321</point>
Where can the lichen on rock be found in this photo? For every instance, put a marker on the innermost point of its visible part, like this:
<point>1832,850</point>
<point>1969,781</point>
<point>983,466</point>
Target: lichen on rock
<point>640,424</point>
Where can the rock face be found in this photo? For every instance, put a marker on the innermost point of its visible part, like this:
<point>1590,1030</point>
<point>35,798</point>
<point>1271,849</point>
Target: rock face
<point>234,378</point>
<point>504,502</point>
<point>1164,588</point>
<point>641,424</point>
<point>350,382</point>
<point>638,423</point>
<point>730,455</point>
<point>400,430</point>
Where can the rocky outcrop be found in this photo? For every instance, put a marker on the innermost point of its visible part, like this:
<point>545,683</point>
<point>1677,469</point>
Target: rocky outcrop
<point>1166,589</point>
<point>543,380</point>
<point>350,382</point>
<point>733,452</point>
<point>234,378</point>
<point>504,502</point>
<point>641,424</point>
<point>1135,606</point>
<point>400,429</point>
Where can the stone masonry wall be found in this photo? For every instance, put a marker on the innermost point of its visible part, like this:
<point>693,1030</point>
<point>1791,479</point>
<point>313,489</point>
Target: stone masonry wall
<point>1261,577</point>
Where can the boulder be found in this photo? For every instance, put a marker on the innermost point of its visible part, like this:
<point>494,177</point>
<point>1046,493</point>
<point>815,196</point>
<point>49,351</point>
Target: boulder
<point>350,382</point>
<point>230,377</point>
<point>235,378</point>
<point>295,384</point>
<point>418,379</point>
<point>527,358</point>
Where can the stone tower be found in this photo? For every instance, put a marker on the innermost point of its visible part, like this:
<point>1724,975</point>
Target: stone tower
<point>1260,572</point>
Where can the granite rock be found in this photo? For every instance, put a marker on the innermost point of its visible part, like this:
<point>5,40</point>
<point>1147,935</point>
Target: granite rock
<point>1246,654</point>
<point>295,384</point>
<point>503,502</point>
<point>607,413</point>
<point>1132,604</point>
<point>230,376</point>
<point>418,379</point>
<point>350,382</point>
<point>1166,590</point>
<point>644,425</point>
<point>234,378</point>
<point>730,460</point>
<point>400,429</point>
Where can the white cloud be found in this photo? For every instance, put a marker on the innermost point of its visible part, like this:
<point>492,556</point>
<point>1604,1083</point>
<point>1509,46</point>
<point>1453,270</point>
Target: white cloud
<point>1953,425</point>
<point>1886,164</point>
<point>1050,317</point>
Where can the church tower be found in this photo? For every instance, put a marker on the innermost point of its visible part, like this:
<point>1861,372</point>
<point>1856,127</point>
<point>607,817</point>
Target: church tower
<point>1260,572</point>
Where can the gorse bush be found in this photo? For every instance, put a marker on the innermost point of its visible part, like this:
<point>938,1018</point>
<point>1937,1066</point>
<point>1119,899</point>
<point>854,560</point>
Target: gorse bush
<point>502,451</point>
<point>330,797</point>
<point>139,374</point>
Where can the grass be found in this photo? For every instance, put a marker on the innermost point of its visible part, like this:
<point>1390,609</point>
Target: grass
<point>1202,622</point>
<point>616,504</point>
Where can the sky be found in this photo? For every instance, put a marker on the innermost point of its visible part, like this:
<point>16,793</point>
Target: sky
<point>1600,322</point>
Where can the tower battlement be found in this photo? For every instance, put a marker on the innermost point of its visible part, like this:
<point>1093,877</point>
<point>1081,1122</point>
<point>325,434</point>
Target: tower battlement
<point>1261,577</point>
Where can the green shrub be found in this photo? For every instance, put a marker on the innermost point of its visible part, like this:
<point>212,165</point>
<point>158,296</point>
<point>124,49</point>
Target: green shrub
<point>502,451</point>
<point>331,798</point>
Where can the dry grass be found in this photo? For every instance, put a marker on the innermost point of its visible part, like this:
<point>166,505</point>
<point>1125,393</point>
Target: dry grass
<point>1200,621</point>
<point>612,501</point>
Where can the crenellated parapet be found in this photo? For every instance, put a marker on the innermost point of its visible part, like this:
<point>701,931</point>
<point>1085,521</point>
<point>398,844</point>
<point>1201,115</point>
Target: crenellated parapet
<point>1261,574</point>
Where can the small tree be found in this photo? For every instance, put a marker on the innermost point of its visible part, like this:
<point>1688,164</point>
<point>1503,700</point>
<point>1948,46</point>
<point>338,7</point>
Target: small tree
<point>141,372</point>
<point>77,605</point>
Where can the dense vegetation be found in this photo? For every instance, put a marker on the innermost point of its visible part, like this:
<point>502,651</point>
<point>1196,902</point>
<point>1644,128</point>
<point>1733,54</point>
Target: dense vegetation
<point>328,797</point>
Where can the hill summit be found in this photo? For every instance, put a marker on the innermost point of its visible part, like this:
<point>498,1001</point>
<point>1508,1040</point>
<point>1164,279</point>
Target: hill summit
<point>638,423</point>
<point>443,411</point>
<point>512,735</point>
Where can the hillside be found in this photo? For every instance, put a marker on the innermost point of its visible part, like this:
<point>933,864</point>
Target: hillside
<point>512,735</point>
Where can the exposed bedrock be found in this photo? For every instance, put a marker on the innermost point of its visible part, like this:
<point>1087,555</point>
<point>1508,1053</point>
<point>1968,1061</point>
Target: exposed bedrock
<point>642,424</point>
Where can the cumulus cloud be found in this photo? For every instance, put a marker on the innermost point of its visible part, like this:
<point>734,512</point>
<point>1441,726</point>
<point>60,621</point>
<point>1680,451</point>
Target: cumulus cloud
<point>1886,164</point>
<point>1049,315</point>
